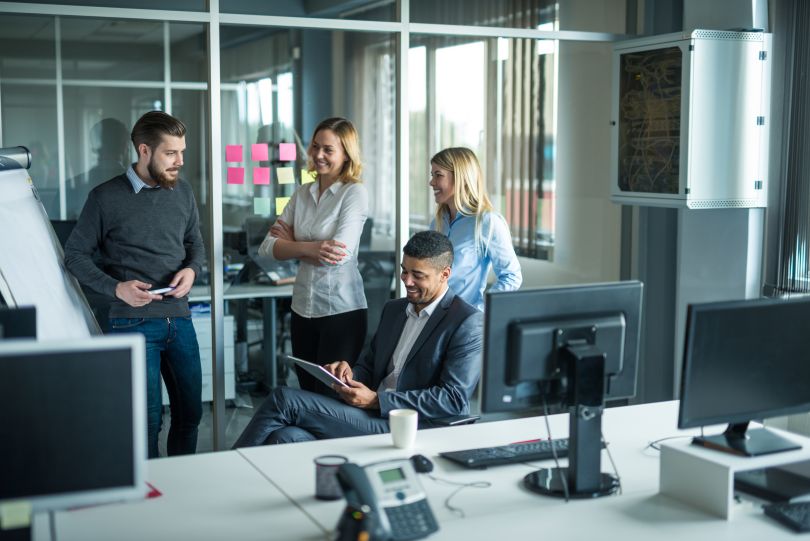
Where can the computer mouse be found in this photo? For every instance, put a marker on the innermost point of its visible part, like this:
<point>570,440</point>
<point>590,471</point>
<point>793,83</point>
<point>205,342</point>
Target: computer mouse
<point>421,464</point>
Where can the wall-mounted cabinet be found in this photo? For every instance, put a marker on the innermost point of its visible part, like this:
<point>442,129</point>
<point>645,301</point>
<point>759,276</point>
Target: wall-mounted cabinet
<point>689,122</point>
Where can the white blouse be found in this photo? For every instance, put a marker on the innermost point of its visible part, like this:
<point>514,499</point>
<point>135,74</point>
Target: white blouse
<point>325,290</point>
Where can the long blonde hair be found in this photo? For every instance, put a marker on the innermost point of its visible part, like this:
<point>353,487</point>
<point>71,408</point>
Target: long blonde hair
<point>346,132</point>
<point>469,191</point>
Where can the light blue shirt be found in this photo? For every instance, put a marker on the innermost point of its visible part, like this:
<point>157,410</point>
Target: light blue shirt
<point>470,266</point>
<point>137,183</point>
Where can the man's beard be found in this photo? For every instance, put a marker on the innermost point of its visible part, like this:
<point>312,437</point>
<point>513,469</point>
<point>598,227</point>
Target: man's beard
<point>163,180</point>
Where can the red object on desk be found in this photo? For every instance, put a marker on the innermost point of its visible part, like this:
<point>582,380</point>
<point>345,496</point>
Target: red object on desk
<point>153,492</point>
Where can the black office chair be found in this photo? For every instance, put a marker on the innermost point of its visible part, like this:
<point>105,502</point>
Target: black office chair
<point>365,236</point>
<point>377,270</point>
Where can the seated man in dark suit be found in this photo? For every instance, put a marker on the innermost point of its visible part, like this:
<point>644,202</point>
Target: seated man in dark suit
<point>426,355</point>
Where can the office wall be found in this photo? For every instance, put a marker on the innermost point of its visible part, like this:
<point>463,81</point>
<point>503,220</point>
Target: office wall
<point>588,226</point>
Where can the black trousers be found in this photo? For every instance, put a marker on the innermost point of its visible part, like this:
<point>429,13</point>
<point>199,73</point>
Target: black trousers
<point>324,340</point>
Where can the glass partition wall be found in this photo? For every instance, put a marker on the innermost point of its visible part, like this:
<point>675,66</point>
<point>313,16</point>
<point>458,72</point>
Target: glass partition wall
<point>495,96</point>
<point>413,76</point>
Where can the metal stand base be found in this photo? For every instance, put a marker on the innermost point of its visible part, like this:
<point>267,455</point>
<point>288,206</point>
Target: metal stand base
<point>548,482</point>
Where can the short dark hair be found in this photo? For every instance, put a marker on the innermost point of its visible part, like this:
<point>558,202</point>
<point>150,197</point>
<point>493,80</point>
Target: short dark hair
<point>430,245</point>
<point>151,127</point>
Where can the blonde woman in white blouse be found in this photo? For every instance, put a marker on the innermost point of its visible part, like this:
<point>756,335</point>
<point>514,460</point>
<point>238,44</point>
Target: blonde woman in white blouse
<point>321,227</point>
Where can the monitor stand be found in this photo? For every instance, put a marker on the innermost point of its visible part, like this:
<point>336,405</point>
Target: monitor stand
<point>738,440</point>
<point>583,478</point>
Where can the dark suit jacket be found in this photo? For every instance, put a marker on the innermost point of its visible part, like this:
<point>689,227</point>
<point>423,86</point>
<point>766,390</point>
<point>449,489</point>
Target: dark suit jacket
<point>443,366</point>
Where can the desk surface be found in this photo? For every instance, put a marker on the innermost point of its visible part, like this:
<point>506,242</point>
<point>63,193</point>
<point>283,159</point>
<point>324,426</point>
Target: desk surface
<point>506,507</point>
<point>638,467</point>
<point>214,496</point>
<point>241,291</point>
<point>228,494</point>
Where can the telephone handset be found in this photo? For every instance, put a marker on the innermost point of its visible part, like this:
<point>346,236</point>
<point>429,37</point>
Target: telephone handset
<point>388,498</point>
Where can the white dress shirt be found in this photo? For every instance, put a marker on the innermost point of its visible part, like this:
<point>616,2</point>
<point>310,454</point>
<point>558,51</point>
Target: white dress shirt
<point>414,324</point>
<point>339,214</point>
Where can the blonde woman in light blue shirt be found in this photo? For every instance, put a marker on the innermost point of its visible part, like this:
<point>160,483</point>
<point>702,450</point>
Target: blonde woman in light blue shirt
<point>480,236</point>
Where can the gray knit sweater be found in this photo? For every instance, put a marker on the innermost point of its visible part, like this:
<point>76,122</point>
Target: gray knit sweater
<point>146,236</point>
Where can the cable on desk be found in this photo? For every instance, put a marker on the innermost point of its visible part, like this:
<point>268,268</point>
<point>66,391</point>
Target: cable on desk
<point>461,486</point>
<point>612,463</point>
<point>655,444</point>
<point>554,453</point>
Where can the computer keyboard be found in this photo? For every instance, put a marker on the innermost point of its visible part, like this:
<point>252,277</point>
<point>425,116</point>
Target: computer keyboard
<point>508,454</point>
<point>793,515</point>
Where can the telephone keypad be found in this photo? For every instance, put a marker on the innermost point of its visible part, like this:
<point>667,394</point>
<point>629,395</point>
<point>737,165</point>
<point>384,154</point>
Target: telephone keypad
<point>411,521</point>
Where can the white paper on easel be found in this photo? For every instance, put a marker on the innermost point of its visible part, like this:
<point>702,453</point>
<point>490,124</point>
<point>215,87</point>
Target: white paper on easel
<point>32,265</point>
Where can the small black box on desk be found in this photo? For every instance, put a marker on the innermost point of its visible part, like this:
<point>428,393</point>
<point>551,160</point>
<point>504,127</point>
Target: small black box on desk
<point>785,483</point>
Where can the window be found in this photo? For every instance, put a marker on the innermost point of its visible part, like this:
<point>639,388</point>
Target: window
<point>496,97</point>
<point>264,76</point>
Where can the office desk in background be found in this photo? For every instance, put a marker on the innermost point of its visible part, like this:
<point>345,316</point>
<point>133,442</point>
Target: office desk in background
<point>270,494</point>
<point>268,294</point>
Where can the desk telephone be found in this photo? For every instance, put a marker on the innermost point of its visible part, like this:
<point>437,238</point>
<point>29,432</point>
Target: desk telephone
<point>386,500</point>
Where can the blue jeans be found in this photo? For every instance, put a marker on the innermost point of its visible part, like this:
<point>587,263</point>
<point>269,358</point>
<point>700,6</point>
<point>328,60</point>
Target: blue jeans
<point>171,350</point>
<point>294,415</point>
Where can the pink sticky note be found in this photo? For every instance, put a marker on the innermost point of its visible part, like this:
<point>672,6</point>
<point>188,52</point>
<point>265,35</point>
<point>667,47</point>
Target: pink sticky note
<point>258,152</point>
<point>236,175</point>
<point>233,153</point>
<point>261,175</point>
<point>286,152</point>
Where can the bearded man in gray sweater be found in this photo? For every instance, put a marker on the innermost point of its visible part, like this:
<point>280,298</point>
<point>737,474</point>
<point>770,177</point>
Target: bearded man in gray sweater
<point>144,225</point>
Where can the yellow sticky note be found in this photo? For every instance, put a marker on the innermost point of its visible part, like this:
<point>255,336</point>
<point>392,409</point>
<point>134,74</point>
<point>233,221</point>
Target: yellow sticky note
<point>307,176</point>
<point>285,175</point>
<point>281,202</point>
<point>15,514</point>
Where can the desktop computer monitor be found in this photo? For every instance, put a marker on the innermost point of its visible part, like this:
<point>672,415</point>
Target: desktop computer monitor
<point>76,434</point>
<point>261,268</point>
<point>745,360</point>
<point>18,322</point>
<point>573,347</point>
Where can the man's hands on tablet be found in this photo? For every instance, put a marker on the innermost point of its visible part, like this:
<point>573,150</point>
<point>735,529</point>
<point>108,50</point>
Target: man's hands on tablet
<point>356,394</point>
<point>341,370</point>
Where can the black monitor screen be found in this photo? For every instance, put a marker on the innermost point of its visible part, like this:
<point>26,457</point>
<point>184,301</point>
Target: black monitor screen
<point>573,347</point>
<point>18,322</point>
<point>745,360</point>
<point>526,330</point>
<point>68,425</point>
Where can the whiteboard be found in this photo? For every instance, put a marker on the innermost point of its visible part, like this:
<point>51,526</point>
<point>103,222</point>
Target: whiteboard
<point>32,268</point>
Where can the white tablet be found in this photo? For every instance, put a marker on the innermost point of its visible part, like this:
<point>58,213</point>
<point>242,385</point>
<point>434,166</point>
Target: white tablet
<point>161,291</point>
<point>318,371</point>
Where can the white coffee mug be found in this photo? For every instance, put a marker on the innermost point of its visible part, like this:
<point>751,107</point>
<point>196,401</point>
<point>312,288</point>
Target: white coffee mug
<point>403,423</point>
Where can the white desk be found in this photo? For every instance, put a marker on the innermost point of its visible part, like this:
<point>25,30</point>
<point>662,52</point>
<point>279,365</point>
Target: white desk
<point>268,294</point>
<point>215,496</point>
<point>506,508</point>
<point>223,496</point>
